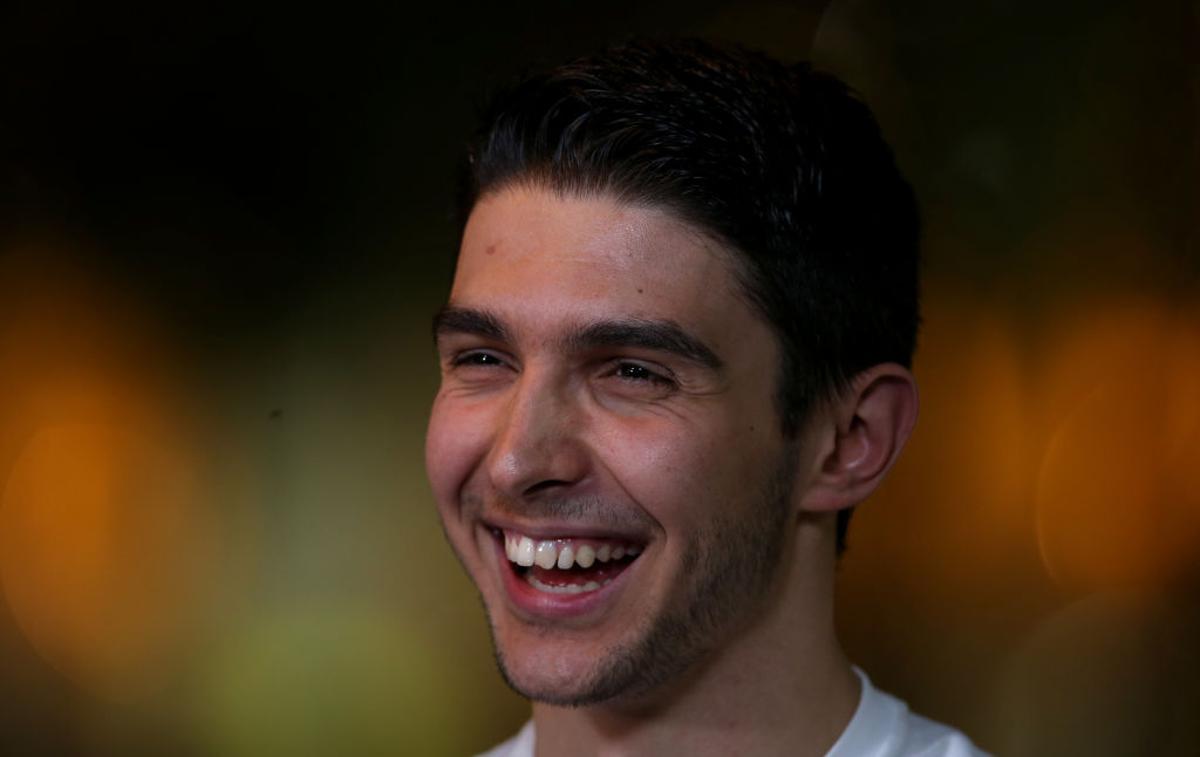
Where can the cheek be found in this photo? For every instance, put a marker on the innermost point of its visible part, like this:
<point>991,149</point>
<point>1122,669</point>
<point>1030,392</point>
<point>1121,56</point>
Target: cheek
<point>683,474</point>
<point>668,469</point>
<point>455,442</point>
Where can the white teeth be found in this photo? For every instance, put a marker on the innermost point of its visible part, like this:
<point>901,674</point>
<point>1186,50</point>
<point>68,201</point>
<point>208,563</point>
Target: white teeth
<point>547,555</point>
<point>525,551</point>
<point>567,589</point>
<point>585,556</point>
<point>566,557</point>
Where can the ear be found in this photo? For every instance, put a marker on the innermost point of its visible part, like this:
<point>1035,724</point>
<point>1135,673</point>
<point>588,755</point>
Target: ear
<point>859,437</point>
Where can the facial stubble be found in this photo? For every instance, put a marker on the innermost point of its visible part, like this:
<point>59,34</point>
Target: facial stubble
<point>727,570</point>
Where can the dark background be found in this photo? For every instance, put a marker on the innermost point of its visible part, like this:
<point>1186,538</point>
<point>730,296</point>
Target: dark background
<point>223,230</point>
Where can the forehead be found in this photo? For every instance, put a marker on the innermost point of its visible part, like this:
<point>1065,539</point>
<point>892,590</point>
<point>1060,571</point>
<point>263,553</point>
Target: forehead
<point>535,255</point>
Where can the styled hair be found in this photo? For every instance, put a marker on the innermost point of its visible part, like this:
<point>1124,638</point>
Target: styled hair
<point>782,164</point>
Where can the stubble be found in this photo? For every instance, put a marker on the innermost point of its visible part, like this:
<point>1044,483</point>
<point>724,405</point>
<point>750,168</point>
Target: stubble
<point>727,570</point>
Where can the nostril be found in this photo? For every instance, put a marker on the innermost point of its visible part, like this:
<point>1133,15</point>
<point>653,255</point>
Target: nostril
<point>543,485</point>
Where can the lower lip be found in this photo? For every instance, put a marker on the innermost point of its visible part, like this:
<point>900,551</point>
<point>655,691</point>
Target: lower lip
<point>543,604</point>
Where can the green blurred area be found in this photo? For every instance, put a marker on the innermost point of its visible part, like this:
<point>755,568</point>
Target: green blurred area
<point>250,208</point>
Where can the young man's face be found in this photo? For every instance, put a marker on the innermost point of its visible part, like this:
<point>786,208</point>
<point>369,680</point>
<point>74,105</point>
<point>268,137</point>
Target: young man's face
<point>606,412</point>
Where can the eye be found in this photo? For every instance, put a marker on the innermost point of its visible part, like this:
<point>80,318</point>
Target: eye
<point>477,368</point>
<point>639,380</point>
<point>636,372</point>
<point>475,358</point>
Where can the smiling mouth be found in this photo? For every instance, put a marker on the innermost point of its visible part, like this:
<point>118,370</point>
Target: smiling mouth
<point>568,565</point>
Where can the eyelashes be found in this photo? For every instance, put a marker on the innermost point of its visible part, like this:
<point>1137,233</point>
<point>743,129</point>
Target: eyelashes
<point>637,372</point>
<point>636,375</point>
<point>476,357</point>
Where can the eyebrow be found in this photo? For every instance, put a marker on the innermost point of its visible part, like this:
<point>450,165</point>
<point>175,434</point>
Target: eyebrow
<point>456,320</point>
<point>659,335</point>
<point>651,334</point>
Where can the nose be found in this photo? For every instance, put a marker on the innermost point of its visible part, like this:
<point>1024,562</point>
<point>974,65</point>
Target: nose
<point>538,444</point>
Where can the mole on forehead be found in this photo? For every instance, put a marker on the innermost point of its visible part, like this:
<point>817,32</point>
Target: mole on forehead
<point>520,218</point>
<point>618,251</point>
<point>657,261</point>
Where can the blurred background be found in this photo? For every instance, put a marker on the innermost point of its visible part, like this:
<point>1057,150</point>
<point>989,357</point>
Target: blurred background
<point>224,229</point>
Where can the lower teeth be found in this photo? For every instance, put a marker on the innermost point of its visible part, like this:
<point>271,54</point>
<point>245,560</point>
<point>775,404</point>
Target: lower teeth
<point>568,588</point>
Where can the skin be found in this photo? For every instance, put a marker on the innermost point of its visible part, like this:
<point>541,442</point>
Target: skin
<point>536,428</point>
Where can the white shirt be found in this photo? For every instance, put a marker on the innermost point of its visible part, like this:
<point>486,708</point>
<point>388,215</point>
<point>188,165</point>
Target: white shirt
<point>882,726</point>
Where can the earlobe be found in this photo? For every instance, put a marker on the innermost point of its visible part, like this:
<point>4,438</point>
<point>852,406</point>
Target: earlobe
<point>861,437</point>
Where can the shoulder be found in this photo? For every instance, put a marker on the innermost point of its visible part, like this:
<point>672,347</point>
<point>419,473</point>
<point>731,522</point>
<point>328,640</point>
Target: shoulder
<point>883,726</point>
<point>926,738</point>
<point>520,745</point>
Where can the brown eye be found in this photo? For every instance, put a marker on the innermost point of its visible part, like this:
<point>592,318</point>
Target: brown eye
<point>476,358</point>
<point>636,373</point>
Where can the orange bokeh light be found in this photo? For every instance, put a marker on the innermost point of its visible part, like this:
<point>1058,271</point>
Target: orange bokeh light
<point>1118,495</point>
<point>100,524</point>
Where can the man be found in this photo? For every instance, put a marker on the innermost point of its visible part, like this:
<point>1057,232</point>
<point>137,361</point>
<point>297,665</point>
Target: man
<point>675,354</point>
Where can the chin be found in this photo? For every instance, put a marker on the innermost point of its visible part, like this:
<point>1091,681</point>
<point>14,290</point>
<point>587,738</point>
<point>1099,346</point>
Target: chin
<point>573,672</point>
<point>552,689</point>
<point>558,672</point>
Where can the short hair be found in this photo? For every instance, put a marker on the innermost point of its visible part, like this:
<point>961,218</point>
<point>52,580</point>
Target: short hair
<point>784,165</point>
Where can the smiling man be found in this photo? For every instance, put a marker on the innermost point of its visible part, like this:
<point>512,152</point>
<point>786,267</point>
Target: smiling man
<point>675,355</point>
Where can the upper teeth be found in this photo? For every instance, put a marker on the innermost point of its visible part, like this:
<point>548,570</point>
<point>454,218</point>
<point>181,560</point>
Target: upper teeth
<point>562,554</point>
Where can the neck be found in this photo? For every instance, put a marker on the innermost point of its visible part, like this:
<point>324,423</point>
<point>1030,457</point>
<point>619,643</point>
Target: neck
<point>778,685</point>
